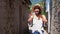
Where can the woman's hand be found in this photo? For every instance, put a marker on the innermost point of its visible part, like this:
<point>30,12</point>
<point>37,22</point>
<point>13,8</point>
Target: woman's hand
<point>30,18</point>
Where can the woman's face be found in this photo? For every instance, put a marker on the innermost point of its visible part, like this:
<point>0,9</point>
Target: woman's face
<point>36,11</point>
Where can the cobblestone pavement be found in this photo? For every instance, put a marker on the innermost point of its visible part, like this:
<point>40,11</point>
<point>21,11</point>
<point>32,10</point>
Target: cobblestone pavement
<point>45,32</point>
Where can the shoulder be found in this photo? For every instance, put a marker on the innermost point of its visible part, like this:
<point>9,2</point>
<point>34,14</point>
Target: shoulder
<point>42,16</point>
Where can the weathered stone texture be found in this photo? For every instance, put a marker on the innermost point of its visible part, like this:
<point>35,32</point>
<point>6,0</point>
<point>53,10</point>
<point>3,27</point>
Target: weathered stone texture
<point>55,19</point>
<point>13,17</point>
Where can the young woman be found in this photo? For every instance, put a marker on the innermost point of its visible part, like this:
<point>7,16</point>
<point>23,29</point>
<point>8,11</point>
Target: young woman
<point>37,19</point>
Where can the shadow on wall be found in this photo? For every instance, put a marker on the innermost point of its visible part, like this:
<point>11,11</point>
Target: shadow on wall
<point>59,21</point>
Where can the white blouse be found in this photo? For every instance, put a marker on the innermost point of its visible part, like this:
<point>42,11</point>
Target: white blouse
<point>37,24</point>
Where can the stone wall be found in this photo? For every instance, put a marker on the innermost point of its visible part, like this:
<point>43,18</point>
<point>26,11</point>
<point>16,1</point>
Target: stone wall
<point>13,15</point>
<point>55,18</point>
<point>24,17</point>
<point>9,16</point>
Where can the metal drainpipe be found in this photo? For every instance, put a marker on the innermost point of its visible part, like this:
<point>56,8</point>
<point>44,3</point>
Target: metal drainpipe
<point>48,16</point>
<point>49,19</point>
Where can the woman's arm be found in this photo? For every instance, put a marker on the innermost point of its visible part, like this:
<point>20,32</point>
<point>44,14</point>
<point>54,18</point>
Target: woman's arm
<point>44,18</point>
<point>30,18</point>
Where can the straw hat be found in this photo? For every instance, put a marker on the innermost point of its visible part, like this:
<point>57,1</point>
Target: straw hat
<point>36,5</point>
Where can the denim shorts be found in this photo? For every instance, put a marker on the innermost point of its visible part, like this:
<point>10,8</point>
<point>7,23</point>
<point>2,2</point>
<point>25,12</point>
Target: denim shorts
<point>36,32</point>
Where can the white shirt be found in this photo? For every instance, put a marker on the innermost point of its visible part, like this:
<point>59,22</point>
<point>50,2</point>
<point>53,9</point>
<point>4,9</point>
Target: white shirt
<point>37,24</point>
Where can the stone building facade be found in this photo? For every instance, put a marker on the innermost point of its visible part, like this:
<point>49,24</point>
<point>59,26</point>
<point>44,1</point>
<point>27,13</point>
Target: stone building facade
<point>12,16</point>
<point>55,17</point>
